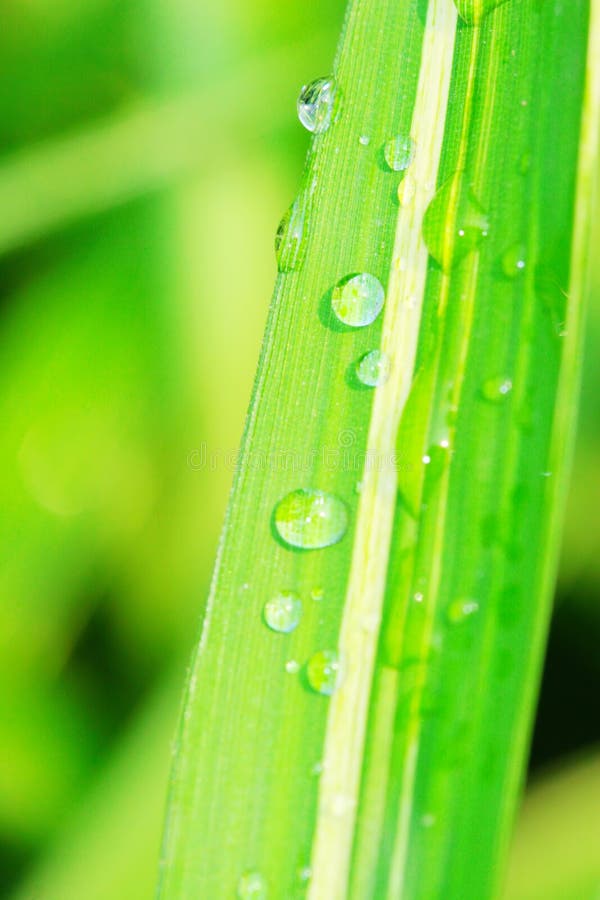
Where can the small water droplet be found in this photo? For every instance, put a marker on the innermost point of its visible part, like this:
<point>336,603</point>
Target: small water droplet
<point>473,11</point>
<point>418,597</point>
<point>323,671</point>
<point>317,769</point>
<point>428,820</point>
<point>524,163</point>
<point>513,260</point>
<point>454,223</point>
<point>365,140</point>
<point>252,886</point>
<point>305,874</point>
<point>340,805</point>
<point>357,300</point>
<point>546,474</point>
<point>292,666</point>
<point>373,368</point>
<point>290,242</point>
<point>496,388</point>
<point>460,610</point>
<point>311,519</point>
<point>317,594</point>
<point>370,623</point>
<point>406,190</point>
<point>282,613</point>
<point>315,104</point>
<point>399,152</point>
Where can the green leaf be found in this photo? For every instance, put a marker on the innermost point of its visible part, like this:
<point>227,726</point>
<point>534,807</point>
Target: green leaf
<point>426,619</point>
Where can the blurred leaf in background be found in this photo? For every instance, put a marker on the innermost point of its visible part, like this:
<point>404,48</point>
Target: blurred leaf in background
<point>147,151</point>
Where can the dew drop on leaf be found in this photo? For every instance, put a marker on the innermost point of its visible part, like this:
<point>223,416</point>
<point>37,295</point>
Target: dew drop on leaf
<point>513,260</point>
<point>399,152</point>
<point>357,300</point>
<point>406,190</point>
<point>524,163</point>
<point>373,368</point>
<point>315,104</point>
<point>496,389</point>
<point>323,671</point>
<point>252,886</point>
<point>290,239</point>
<point>282,613</point>
<point>473,11</point>
<point>311,519</point>
<point>461,610</point>
<point>454,223</point>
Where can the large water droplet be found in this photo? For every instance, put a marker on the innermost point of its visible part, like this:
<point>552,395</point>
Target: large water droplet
<point>513,260</point>
<point>357,300</point>
<point>282,613</point>
<point>290,239</point>
<point>454,223</point>
<point>399,152</point>
<point>323,672</point>
<point>373,368</point>
<point>315,104</point>
<point>311,519</point>
<point>473,11</point>
<point>412,438</point>
<point>252,886</point>
<point>496,389</point>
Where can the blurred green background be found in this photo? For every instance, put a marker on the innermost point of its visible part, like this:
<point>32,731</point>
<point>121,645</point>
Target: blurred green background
<point>148,150</point>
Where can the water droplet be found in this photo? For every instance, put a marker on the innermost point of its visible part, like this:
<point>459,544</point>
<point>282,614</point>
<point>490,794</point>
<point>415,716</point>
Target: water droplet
<point>524,163</point>
<point>418,597</point>
<point>406,190</point>
<point>399,152</point>
<point>290,242</point>
<point>282,613</point>
<point>454,223</point>
<point>552,296</point>
<point>317,769</point>
<point>317,594</point>
<point>305,874</point>
<point>292,666</point>
<point>513,260</point>
<point>340,805</point>
<point>460,610</point>
<point>370,622</point>
<point>496,389</point>
<point>315,104</point>
<point>323,671</point>
<point>365,140</point>
<point>373,368</point>
<point>311,519</point>
<point>358,299</point>
<point>428,820</point>
<point>252,886</point>
<point>473,11</point>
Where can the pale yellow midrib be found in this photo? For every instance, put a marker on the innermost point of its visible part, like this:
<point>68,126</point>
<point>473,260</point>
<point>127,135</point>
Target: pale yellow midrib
<point>346,724</point>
